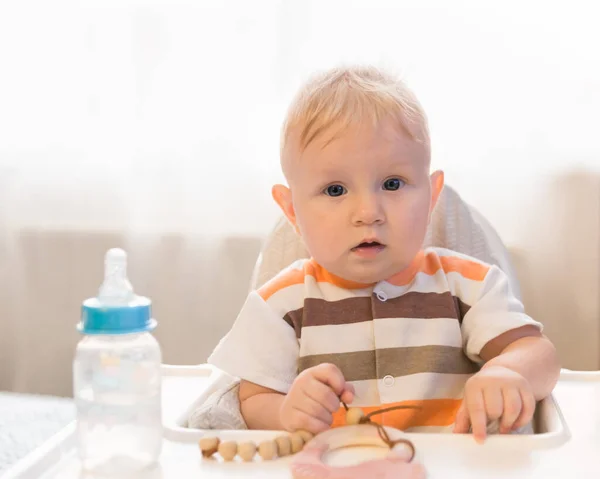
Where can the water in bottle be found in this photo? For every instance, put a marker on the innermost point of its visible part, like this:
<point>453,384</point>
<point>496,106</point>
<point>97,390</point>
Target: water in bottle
<point>116,377</point>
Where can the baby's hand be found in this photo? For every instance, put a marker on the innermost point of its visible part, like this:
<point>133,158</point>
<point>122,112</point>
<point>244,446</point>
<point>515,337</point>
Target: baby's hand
<point>494,393</point>
<point>313,398</point>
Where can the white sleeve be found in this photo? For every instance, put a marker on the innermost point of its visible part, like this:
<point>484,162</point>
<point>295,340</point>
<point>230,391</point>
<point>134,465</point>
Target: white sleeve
<point>260,347</point>
<point>495,311</point>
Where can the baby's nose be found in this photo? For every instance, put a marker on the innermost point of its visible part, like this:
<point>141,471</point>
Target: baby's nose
<point>368,211</point>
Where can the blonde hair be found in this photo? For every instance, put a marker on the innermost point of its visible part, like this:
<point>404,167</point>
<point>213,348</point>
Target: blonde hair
<point>347,96</point>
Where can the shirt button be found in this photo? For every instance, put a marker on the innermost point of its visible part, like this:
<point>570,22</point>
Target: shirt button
<point>381,296</point>
<point>388,381</point>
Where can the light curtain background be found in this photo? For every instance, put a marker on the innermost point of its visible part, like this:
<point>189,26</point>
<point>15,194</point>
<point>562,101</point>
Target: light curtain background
<point>154,126</point>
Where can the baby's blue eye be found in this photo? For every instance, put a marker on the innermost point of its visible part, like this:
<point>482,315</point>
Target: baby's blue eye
<point>335,190</point>
<point>393,184</point>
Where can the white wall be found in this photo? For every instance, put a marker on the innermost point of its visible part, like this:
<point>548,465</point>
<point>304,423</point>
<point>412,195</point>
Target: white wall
<point>157,118</point>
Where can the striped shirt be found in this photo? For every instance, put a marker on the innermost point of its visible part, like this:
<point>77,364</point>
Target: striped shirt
<point>413,339</point>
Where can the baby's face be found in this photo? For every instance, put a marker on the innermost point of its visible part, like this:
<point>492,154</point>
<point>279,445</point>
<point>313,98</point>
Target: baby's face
<point>362,201</point>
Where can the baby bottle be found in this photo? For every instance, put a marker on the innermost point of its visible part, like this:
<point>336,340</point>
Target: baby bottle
<point>116,377</point>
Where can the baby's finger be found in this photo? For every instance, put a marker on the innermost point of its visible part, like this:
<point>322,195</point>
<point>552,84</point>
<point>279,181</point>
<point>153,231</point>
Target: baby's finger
<point>494,403</point>
<point>313,408</point>
<point>512,409</point>
<point>322,394</point>
<point>348,395</point>
<point>527,410</point>
<point>301,420</point>
<point>462,422</point>
<point>477,414</point>
<point>331,375</point>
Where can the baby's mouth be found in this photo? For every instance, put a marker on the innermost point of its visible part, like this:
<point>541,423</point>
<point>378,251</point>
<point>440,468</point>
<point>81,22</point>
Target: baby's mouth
<point>367,245</point>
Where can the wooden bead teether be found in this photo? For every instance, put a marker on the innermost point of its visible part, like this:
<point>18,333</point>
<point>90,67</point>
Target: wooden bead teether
<point>228,450</point>
<point>354,415</point>
<point>297,442</point>
<point>209,445</point>
<point>267,450</point>
<point>305,435</point>
<point>309,462</point>
<point>246,451</point>
<point>284,446</point>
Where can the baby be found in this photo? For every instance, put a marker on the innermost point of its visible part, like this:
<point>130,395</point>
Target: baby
<point>372,318</point>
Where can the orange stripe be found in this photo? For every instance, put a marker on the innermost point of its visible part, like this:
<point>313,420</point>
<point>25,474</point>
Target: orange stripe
<point>433,412</point>
<point>432,263</point>
<point>321,275</point>
<point>429,265</point>
<point>290,278</point>
<point>467,269</point>
<point>405,276</point>
<point>295,276</point>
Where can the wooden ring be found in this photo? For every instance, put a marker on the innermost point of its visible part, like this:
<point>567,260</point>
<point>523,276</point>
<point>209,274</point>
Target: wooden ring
<point>308,464</point>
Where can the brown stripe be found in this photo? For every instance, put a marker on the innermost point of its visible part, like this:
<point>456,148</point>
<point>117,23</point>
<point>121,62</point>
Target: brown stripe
<point>319,312</point>
<point>417,305</point>
<point>363,365</point>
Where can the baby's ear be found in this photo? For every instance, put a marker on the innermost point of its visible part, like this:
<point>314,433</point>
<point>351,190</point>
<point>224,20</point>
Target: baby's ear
<point>283,197</point>
<point>437,185</point>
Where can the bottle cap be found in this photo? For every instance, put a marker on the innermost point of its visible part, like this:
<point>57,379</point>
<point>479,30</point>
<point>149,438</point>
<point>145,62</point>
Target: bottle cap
<point>116,309</point>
